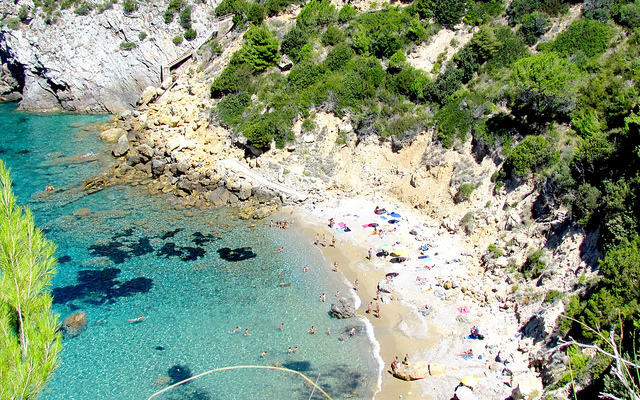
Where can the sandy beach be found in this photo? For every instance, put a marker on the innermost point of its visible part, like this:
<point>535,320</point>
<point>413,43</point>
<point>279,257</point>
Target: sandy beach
<point>442,272</point>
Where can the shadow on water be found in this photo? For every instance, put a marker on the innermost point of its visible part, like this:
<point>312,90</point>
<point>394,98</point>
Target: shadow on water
<point>170,234</point>
<point>234,255</point>
<point>348,381</point>
<point>64,259</point>
<point>178,373</point>
<point>99,287</point>
<point>185,253</point>
<point>199,239</point>
<point>300,366</point>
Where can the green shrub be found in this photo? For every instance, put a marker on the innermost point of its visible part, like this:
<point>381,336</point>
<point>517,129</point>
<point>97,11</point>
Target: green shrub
<point>127,46</point>
<point>339,56</point>
<point>168,17</point>
<point>347,13</point>
<point>216,48</point>
<point>84,8</point>
<point>177,39</point>
<point>533,26</point>
<point>293,41</point>
<point>448,12</point>
<point>397,60</point>
<point>468,223</point>
<point>130,6</point>
<point>23,14</point>
<point>552,296</point>
<point>589,37</point>
<point>534,265</point>
<point>260,48</point>
<point>190,34</point>
<point>12,23</point>
<point>230,108</point>
<point>495,251</point>
<point>519,8</point>
<point>317,13</point>
<point>256,13</point>
<point>332,36</point>
<point>630,15</point>
<point>532,155</point>
<point>386,45</point>
<point>185,18</point>
<point>464,193</point>
<point>234,78</point>
<point>142,35</point>
<point>453,122</point>
<point>304,74</point>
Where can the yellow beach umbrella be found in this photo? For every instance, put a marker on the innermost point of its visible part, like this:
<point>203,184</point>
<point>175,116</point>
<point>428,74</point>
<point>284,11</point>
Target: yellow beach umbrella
<point>469,380</point>
<point>401,252</point>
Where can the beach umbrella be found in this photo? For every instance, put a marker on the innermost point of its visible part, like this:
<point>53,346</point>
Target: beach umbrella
<point>385,247</point>
<point>392,274</point>
<point>464,393</point>
<point>469,380</point>
<point>401,252</point>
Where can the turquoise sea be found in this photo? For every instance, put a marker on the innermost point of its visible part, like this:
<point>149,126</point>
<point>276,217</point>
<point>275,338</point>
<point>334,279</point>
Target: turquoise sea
<point>193,274</point>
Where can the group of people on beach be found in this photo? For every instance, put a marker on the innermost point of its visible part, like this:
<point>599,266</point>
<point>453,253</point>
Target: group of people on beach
<point>324,240</point>
<point>395,364</point>
<point>280,224</point>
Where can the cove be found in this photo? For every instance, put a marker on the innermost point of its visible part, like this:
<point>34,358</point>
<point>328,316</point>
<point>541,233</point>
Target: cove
<point>194,275</point>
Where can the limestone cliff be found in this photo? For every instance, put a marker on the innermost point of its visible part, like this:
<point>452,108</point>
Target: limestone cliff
<point>88,63</point>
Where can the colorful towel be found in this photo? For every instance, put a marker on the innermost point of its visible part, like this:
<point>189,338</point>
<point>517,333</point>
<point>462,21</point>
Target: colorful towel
<point>394,215</point>
<point>341,224</point>
<point>464,310</point>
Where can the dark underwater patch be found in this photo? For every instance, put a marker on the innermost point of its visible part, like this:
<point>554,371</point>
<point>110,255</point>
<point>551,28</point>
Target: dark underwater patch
<point>23,152</point>
<point>234,255</point>
<point>200,239</point>
<point>159,348</point>
<point>142,247</point>
<point>100,286</point>
<point>64,259</point>
<point>170,234</point>
<point>300,366</point>
<point>112,250</point>
<point>178,373</point>
<point>185,253</point>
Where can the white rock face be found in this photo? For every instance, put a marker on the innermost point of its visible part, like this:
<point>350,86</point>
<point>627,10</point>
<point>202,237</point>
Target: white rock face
<point>77,63</point>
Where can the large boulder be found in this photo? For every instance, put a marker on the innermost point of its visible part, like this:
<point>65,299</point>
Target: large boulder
<point>263,194</point>
<point>75,323</point>
<point>413,371</point>
<point>529,388</point>
<point>219,196</point>
<point>122,147</point>
<point>386,286</point>
<point>157,166</point>
<point>343,308</point>
<point>112,135</point>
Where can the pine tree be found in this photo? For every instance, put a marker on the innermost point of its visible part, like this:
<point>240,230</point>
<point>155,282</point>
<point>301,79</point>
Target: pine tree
<point>29,332</point>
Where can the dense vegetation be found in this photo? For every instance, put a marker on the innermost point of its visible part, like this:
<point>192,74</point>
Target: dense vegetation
<point>560,113</point>
<point>29,336</point>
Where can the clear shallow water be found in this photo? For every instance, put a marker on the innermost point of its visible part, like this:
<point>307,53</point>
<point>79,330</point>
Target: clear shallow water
<point>194,275</point>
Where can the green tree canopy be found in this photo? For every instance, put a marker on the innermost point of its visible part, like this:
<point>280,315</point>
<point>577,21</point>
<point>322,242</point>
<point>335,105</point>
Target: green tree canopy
<point>29,337</point>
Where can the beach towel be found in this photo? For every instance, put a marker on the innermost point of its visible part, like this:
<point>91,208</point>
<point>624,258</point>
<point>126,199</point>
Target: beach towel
<point>464,310</point>
<point>383,217</point>
<point>393,221</point>
<point>467,356</point>
<point>341,224</point>
<point>394,215</point>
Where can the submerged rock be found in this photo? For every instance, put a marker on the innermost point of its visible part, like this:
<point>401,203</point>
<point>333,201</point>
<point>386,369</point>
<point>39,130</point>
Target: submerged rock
<point>75,323</point>
<point>343,308</point>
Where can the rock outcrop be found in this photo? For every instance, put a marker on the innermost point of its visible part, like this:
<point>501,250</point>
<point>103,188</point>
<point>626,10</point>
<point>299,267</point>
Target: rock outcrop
<point>343,308</point>
<point>99,62</point>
